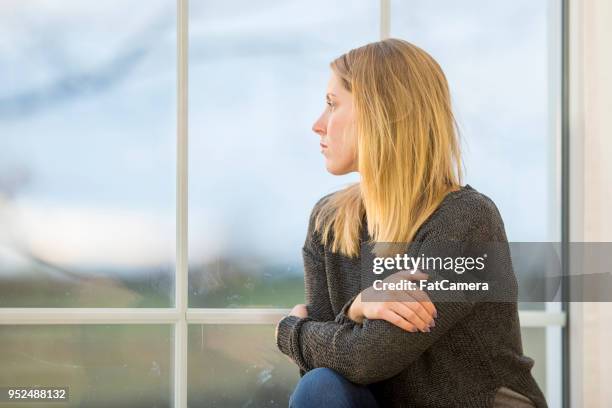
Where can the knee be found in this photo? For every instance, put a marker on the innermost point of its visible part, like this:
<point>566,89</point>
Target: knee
<point>318,387</point>
<point>319,378</point>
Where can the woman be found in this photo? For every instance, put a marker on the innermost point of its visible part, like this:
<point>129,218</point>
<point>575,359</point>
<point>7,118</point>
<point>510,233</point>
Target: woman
<point>389,119</point>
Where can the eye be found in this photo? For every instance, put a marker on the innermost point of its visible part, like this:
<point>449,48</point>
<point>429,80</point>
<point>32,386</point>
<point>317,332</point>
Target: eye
<point>331,105</point>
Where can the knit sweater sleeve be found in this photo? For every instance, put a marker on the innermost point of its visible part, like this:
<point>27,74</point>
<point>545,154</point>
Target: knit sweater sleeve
<point>317,298</point>
<point>375,350</point>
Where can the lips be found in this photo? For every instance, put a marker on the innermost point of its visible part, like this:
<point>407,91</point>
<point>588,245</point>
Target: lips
<point>323,145</point>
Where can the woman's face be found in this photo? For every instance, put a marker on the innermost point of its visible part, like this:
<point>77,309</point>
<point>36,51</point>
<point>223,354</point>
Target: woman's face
<point>335,127</point>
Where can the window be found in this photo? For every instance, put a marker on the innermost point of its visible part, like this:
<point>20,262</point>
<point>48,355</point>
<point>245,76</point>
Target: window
<point>87,155</point>
<point>503,64</point>
<point>256,86</point>
<point>135,261</point>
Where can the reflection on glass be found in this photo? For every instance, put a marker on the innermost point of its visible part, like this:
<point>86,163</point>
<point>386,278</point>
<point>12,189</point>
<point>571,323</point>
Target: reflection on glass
<point>238,366</point>
<point>87,153</point>
<point>103,365</point>
<point>257,84</point>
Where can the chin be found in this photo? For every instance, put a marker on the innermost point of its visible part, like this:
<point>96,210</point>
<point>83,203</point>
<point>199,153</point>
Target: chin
<point>337,170</point>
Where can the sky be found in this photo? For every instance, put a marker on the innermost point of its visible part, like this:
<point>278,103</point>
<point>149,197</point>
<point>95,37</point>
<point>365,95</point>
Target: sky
<point>88,121</point>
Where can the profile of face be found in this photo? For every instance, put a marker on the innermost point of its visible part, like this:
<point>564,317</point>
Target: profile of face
<point>336,129</point>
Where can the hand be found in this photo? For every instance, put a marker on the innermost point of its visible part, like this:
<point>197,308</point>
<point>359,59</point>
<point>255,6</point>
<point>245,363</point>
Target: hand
<point>410,310</point>
<point>299,311</point>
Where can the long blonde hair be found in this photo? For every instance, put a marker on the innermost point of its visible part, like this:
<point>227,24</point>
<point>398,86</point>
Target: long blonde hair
<point>408,150</point>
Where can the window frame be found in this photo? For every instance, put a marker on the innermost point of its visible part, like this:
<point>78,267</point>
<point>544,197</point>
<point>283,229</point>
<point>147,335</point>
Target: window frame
<point>180,316</point>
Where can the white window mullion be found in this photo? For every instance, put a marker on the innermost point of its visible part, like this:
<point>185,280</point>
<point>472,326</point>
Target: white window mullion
<point>84,315</point>
<point>236,316</point>
<point>34,316</point>
<point>180,327</point>
<point>385,19</point>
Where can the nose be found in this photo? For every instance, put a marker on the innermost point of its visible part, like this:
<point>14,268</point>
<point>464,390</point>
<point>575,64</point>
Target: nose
<point>319,126</point>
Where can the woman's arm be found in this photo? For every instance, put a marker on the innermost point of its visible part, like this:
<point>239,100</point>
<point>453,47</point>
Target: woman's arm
<point>362,353</point>
<point>316,294</point>
<point>377,350</point>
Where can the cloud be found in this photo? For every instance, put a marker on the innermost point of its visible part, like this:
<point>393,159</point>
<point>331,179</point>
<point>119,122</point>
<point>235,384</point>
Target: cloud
<point>86,237</point>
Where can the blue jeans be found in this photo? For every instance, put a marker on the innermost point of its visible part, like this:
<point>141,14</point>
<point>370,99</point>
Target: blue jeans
<point>324,387</point>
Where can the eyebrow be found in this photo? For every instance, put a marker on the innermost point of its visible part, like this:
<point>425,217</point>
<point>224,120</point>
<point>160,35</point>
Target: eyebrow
<point>330,94</point>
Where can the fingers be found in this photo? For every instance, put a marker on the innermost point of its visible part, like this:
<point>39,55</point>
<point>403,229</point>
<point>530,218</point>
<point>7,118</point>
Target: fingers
<point>410,310</point>
<point>420,297</point>
<point>417,295</point>
<point>394,318</point>
<point>410,316</point>
<point>414,313</point>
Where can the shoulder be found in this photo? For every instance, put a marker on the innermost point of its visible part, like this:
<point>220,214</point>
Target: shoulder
<point>320,206</point>
<point>321,201</point>
<point>471,203</point>
<point>313,240</point>
<point>467,211</point>
<point>316,209</point>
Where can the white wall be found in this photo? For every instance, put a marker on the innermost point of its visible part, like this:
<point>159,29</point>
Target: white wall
<point>591,190</point>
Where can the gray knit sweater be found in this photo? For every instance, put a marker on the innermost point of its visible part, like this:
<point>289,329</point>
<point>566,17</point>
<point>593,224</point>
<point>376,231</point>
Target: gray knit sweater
<point>474,348</point>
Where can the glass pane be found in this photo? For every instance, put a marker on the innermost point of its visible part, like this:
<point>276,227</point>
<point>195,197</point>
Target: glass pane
<point>87,153</point>
<point>502,61</point>
<point>257,84</point>
<point>534,346</point>
<point>103,365</point>
<point>238,366</point>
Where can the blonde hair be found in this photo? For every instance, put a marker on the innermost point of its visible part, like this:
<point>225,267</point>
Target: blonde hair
<point>408,150</point>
